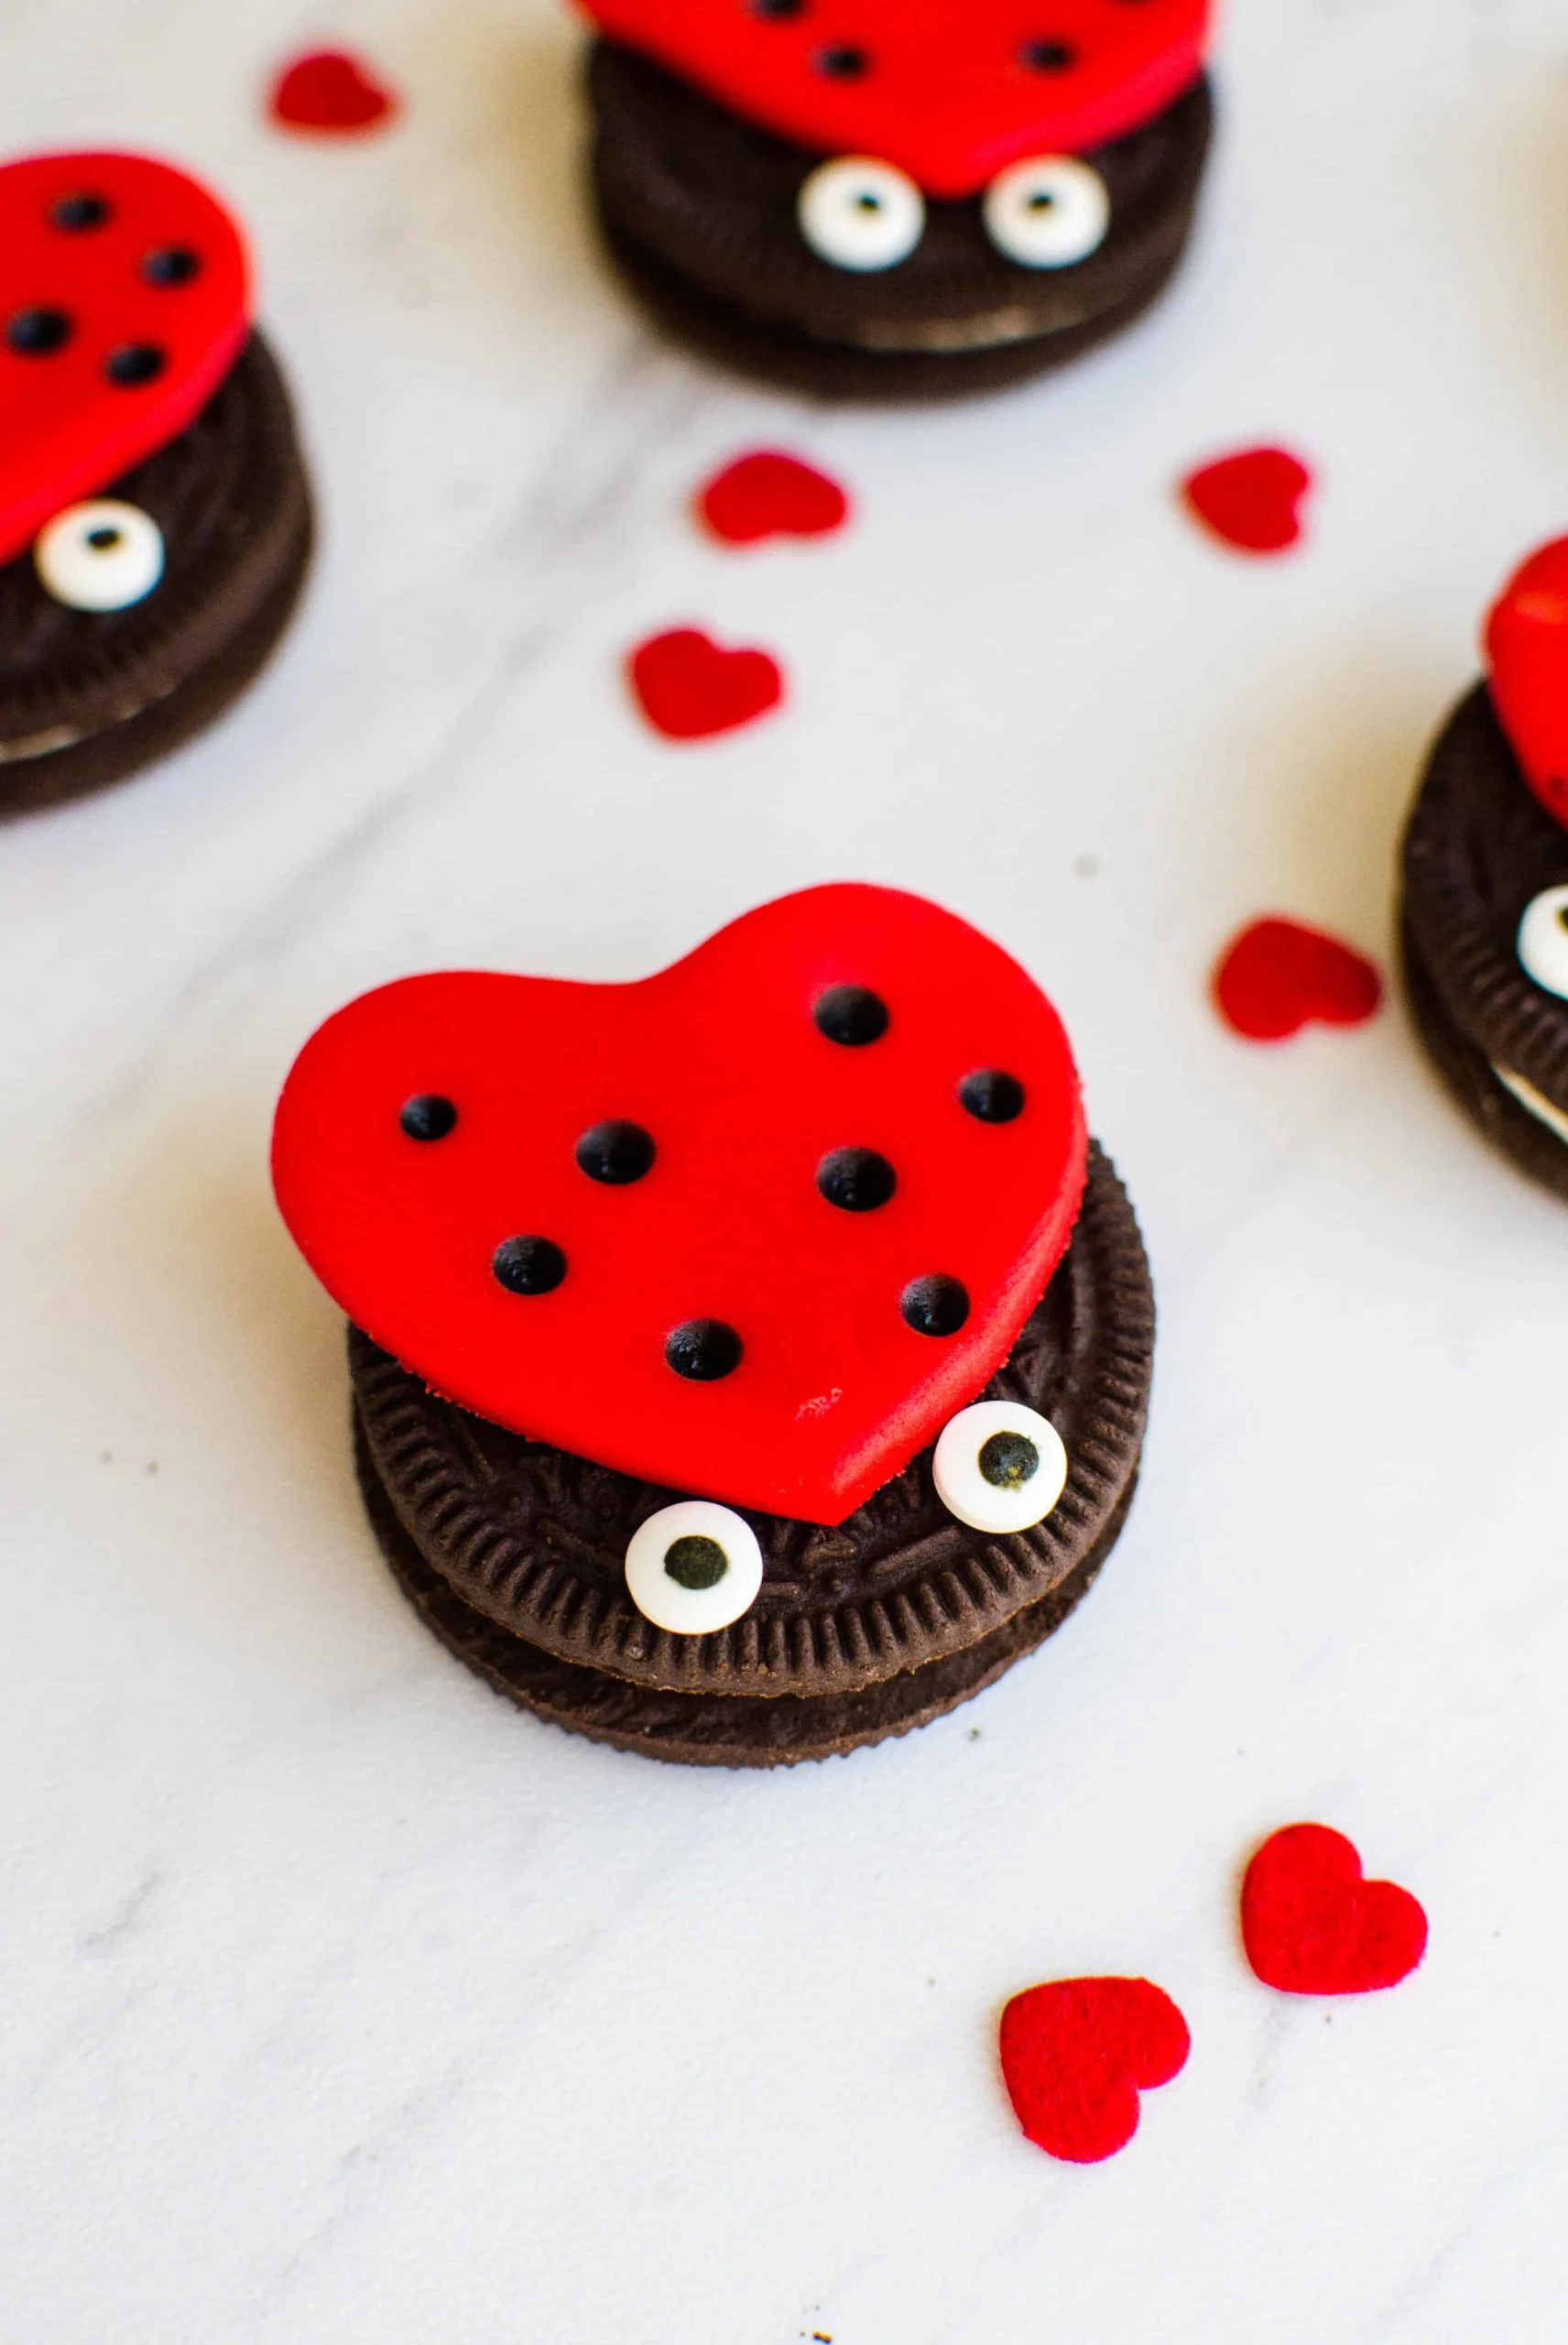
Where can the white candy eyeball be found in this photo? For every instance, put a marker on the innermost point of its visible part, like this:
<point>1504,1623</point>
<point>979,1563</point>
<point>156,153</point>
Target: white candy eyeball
<point>1047,212</point>
<point>1543,940</point>
<point>999,1467</point>
<point>100,556</point>
<point>694,1567</point>
<point>861,215</point>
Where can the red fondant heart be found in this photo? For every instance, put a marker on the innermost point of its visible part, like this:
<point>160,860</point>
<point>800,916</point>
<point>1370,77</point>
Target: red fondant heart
<point>1253,500</point>
<point>1277,976</point>
<point>769,495</point>
<point>1077,2054</point>
<point>330,91</point>
<point>1526,651</point>
<point>721,1062</point>
<point>951,94</point>
<point>125,292</point>
<point>1312,1925</point>
<point>689,687</point>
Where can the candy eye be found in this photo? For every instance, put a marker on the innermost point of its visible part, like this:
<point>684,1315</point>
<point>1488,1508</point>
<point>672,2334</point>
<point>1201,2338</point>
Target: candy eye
<point>999,1467</point>
<point>1543,940</point>
<point>861,215</point>
<point>1047,213</point>
<point>101,556</point>
<point>694,1567</point>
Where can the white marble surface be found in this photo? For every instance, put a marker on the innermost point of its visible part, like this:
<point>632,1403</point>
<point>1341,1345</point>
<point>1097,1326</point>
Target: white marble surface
<point>338,2001</point>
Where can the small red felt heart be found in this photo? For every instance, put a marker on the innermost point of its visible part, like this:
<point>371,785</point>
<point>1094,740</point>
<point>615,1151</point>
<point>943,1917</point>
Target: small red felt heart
<point>126,294</point>
<point>1075,2055</point>
<point>1526,651</point>
<point>1277,976</point>
<point>1252,500</point>
<point>949,94</point>
<point>770,494</point>
<point>330,92</point>
<point>689,687</point>
<point>1312,1925</point>
<point>852,1336</point>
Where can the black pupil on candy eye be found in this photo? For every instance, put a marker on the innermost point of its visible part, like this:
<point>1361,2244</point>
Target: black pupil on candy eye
<point>171,265</point>
<point>528,1265</point>
<point>852,1015</point>
<point>38,333</point>
<point>616,1153</point>
<point>696,1562</point>
<point>937,1305</point>
<point>102,540</point>
<point>1041,199</point>
<point>1008,1460</point>
<point>426,1115</point>
<point>868,201</point>
<point>856,1180</point>
<point>704,1351</point>
<point>991,1097</point>
<point>76,214</point>
<point>1562,915</point>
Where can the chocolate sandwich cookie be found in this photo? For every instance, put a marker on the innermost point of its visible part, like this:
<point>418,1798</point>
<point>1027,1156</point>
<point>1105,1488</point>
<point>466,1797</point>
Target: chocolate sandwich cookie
<point>155,512</point>
<point>868,208</point>
<point>1483,914</point>
<point>759,1354</point>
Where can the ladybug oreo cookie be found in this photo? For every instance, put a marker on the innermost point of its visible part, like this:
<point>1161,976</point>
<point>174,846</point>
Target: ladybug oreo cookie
<point>750,1362</point>
<point>1485,907</point>
<point>916,200</point>
<point>155,514</point>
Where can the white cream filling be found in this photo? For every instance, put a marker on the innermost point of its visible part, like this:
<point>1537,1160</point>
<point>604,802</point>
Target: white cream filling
<point>1539,1107</point>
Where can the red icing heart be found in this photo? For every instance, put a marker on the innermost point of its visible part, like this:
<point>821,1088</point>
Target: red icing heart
<point>1277,976</point>
<point>330,92</point>
<point>1526,651</point>
<point>689,687</point>
<point>1251,500</point>
<point>1075,2055</point>
<point>1312,1925</point>
<point>720,1061</point>
<point>951,94</point>
<point>769,495</point>
<point>125,287</point>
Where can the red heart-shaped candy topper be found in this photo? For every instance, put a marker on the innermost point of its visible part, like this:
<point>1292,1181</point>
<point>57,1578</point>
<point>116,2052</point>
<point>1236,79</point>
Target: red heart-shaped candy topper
<point>1252,500</point>
<point>689,687</point>
<point>1077,2054</point>
<point>1313,1927</point>
<point>951,92</point>
<point>125,298</point>
<point>330,94</point>
<point>1526,651</point>
<point>770,494</point>
<point>605,1215</point>
<point>1277,976</point>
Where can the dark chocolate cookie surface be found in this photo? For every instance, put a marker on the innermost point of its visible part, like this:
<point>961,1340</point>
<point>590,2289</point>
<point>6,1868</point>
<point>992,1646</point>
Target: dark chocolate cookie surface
<point>700,210</point>
<point>89,696</point>
<point>515,1552</point>
<point>1478,850</point>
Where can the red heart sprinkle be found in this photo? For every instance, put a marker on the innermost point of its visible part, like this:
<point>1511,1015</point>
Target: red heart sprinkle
<point>125,295</point>
<point>951,95</point>
<point>1077,2054</point>
<point>331,92</point>
<point>1526,651</point>
<point>770,494</point>
<point>734,1087</point>
<point>1277,976</point>
<point>689,687</point>
<point>1251,501</point>
<point>1312,1925</point>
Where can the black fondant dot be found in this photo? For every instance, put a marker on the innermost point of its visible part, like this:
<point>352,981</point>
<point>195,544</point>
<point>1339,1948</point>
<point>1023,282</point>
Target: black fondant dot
<point>426,1115</point>
<point>135,364</point>
<point>695,1561</point>
<point>778,12</point>
<point>528,1265</point>
<point>1049,55</point>
<point>704,1351</point>
<point>992,1097</point>
<point>936,1305</point>
<point>616,1153</point>
<point>77,214</point>
<point>171,265</point>
<point>843,64</point>
<point>851,1015</point>
<point>1008,1460</point>
<point>856,1180</point>
<point>37,333</point>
